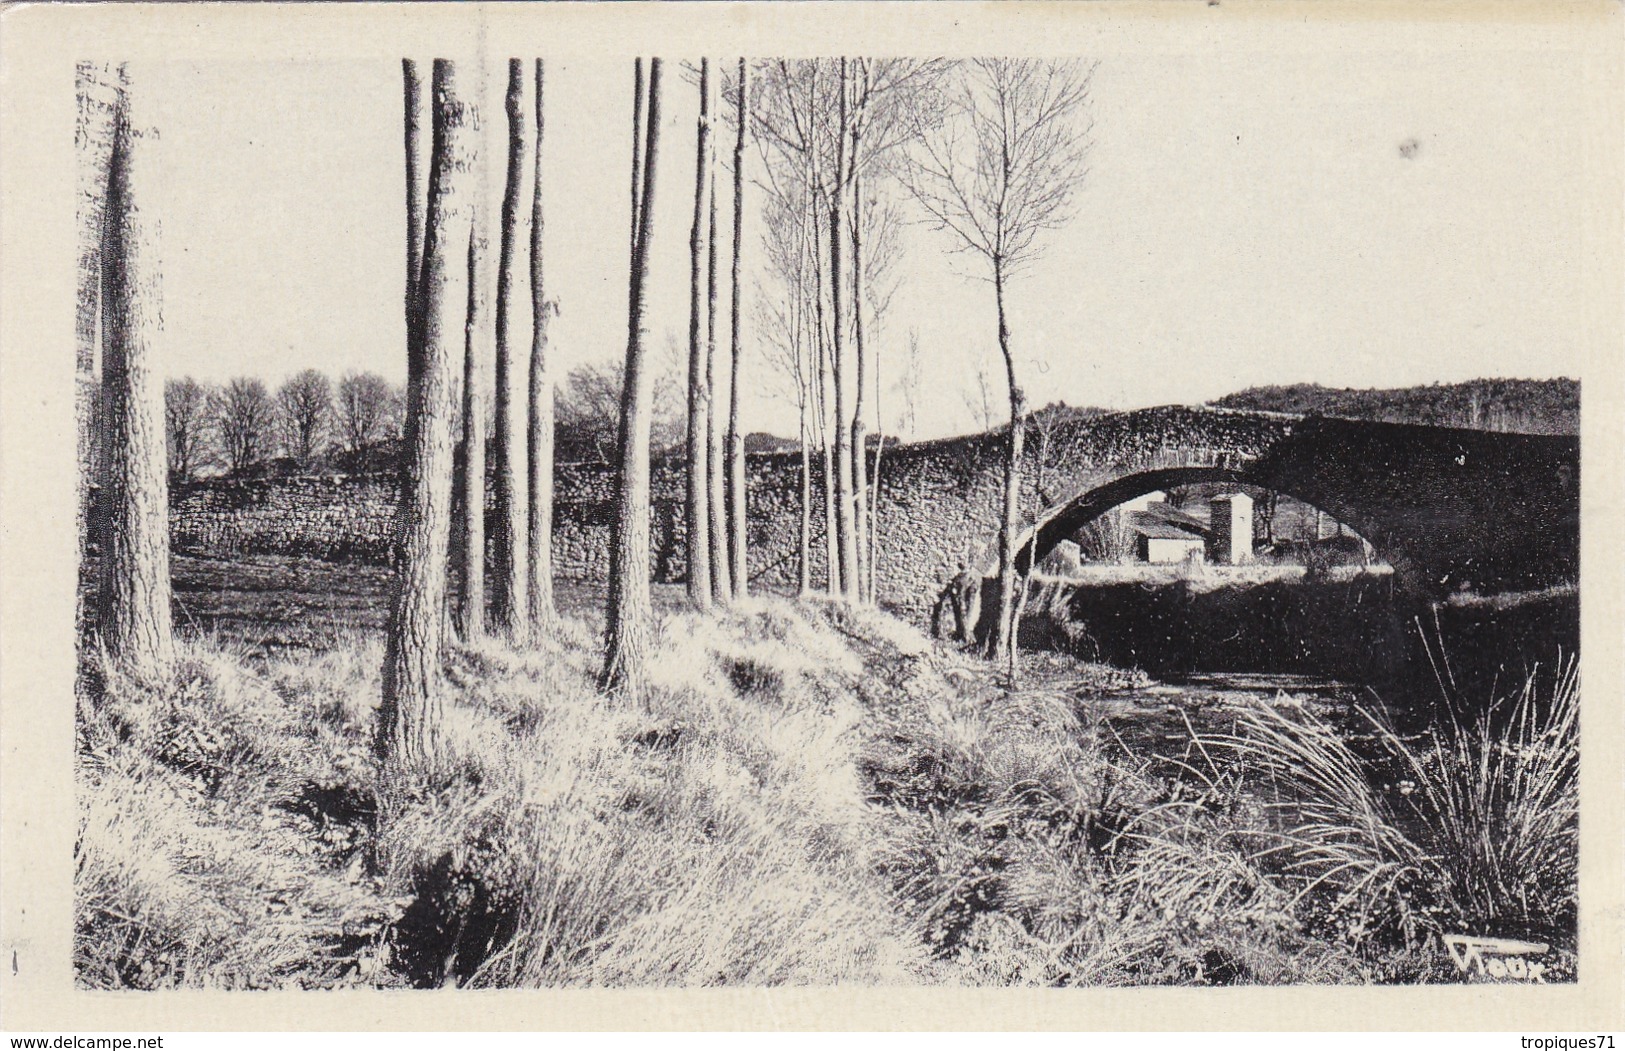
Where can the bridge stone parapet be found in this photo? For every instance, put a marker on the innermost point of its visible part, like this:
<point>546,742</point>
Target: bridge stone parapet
<point>1509,505</point>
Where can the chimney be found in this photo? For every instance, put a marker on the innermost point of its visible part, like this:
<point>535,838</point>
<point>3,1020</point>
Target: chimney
<point>1232,523</point>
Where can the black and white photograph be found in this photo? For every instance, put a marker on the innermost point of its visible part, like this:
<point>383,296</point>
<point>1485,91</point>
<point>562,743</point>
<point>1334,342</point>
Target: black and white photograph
<point>943,511</point>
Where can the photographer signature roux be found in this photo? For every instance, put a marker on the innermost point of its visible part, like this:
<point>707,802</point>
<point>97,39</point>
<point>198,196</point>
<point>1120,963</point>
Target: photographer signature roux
<point>1497,957</point>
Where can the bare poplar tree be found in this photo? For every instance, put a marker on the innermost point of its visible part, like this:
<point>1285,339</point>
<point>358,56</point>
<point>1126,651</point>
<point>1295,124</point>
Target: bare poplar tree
<point>792,129</point>
<point>629,618</point>
<point>410,714</point>
<point>877,222</point>
<point>135,624</point>
<point>539,432</point>
<point>363,409</point>
<point>737,532</point>
<point>823,375</point>
<point>186,426</point>
<point>510,608</point>
<point>845,536</point>
<point>833,133</point>
<point>782,324</point>
<point>468,504</point>
<point>245,423</point>
<point>1003,170</point>
<point>890,98</point>
<point>95,93</point>
<point>304,412</point>
<point>716,480</point>
<point>470,480</point>
<point>860,524</point>
<point>415,111</point>
<point>698,504</point>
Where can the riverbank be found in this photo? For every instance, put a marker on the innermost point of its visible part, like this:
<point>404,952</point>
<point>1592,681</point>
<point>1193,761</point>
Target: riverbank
<point>809,794</point>
<point>1352,624</point>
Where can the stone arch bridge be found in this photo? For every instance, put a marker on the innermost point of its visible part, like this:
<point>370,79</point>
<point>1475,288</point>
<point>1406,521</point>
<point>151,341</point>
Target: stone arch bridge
<point>1448,508</point>
<point>1445,507</point>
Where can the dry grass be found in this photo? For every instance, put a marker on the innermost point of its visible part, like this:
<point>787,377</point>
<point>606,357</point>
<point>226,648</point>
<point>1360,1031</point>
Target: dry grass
<point>217,847</point>
<point>809,793</point>
<point>1470,826</point>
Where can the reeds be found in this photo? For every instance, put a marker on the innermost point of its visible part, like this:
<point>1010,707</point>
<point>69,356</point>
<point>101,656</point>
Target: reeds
<point>1470,825</point>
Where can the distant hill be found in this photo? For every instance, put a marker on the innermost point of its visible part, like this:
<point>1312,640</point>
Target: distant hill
<point>1526,406</point>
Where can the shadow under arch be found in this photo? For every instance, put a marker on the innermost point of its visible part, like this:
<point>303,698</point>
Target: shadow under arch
<point>1062,520</point>
<point>974,597</point>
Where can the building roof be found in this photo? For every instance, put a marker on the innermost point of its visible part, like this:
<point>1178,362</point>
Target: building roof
<point>1166,512</point>
<point>1157,527</point>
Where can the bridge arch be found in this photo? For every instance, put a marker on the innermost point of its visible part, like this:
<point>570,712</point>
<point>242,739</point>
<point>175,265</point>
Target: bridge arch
<point>1447,508</point>
<point>1065,518</point>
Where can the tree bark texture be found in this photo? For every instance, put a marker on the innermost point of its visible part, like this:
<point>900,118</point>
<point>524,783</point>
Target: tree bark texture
<point>510,614</point>
<point>1005,628</point>
<point>539,435</point>
<point>630,617</point>
<point>96,95</point>
<point>860,438</point>
<point>804,537</point>
<point>411,711</point>
<point>716,479</point>
<point>415,113</point>
<point>471,481</point>
<point>874,493</point>
<point>135,621</point>
<point>737,524</point>
<point>697,507</point>
<point>845,541</point>
<point>832,559</point>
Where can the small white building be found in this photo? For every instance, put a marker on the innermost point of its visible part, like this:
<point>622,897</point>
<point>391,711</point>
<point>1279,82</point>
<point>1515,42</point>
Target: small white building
<point>1163,545</point>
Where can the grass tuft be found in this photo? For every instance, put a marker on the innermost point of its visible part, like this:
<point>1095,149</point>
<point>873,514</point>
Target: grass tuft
<point>1470,826</point>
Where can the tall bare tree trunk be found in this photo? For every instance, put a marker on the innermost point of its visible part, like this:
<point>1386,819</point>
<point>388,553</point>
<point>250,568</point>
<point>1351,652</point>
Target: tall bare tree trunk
<point>846,547</point>
<point>874,493</point>
<point>860,439</point>
<point>96,95</point>
<point>415,110</point>
<point>410,715</point>
<point>630,616</point>
<point>510,613</point>
<point>737,533</point>
<point>832,558</point>
<point>804,544</point>
<point>716,483</point>
<point>1005,628</point>
<point>804,398</point>
<point>698,504</point>
<point>135,621</point>
<point>471,484</point>
<point>539,435</point>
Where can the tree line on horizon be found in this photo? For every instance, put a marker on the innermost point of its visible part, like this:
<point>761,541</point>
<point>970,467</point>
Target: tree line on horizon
<point>243,427</point>
<point>1546,406</point>
<point>990,153</point>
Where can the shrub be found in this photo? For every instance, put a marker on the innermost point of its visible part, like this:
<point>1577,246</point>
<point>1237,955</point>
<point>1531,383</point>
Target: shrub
<point>1469,826</point>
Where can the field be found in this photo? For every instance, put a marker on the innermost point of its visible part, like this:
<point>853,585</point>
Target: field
<point>810,793</point>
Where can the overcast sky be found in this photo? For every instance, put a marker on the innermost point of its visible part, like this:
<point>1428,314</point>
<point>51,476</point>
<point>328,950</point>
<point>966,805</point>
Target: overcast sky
<point>1358,219</point>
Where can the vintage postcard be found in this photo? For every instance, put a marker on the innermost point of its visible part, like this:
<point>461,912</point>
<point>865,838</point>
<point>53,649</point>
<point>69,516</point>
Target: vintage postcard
<point>812,516</point>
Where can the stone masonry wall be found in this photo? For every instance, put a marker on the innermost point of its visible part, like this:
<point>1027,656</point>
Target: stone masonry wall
<point>939,503</point>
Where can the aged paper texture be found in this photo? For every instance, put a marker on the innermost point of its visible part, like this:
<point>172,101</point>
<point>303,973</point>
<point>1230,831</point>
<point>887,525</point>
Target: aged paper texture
<point>1361,195</point>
